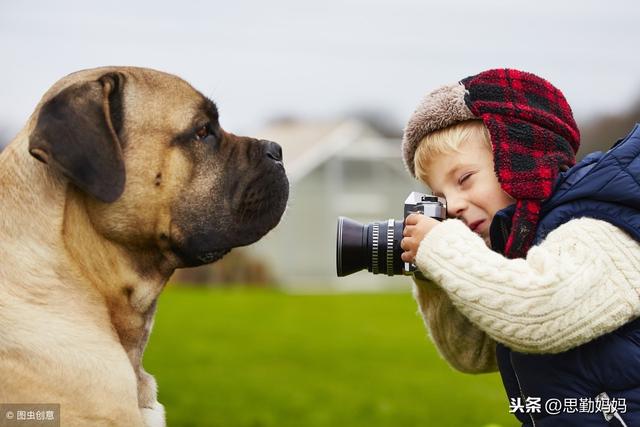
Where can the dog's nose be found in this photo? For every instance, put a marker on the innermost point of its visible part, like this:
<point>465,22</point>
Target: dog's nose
<point>273,150</point>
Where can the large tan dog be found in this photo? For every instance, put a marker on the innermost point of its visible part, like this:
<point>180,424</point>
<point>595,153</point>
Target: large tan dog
<point>120,176</point>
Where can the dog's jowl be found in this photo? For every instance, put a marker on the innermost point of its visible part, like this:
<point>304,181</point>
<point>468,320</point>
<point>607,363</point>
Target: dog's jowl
<point>120,176</point>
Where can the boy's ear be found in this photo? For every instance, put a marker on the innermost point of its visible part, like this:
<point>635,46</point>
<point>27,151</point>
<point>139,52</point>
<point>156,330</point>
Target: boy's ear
<point>77,133</point>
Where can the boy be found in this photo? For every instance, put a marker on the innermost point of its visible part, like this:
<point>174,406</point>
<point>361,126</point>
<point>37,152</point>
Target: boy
<point>537,273</point>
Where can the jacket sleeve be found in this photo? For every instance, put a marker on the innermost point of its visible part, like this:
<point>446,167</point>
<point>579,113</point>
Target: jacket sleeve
<point>580,283</point>
<point>464,346</point>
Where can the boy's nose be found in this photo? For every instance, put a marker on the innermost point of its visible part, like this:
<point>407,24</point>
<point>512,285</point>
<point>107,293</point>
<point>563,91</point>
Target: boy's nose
<point>456,207</point>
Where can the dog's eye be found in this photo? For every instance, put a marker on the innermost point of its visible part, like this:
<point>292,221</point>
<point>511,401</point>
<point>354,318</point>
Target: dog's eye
<point>203,132</point>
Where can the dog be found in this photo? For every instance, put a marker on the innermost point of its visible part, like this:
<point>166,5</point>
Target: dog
<point>120,176</point>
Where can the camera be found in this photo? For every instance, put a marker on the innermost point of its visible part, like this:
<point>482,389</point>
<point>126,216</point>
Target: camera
<point>376,245</point>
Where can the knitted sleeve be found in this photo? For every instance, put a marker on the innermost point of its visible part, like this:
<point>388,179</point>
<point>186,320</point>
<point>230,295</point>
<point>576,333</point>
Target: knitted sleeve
<point>464,346</point>
<point>581,282</point>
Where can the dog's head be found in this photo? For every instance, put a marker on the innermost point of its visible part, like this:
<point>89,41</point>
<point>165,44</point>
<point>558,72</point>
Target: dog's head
<point>153,166</point>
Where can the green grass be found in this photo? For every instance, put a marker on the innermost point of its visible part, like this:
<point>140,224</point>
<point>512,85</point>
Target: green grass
<point>263,359</point>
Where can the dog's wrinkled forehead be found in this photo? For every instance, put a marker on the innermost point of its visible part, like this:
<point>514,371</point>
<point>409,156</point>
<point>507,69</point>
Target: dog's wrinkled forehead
<point>168,100</point>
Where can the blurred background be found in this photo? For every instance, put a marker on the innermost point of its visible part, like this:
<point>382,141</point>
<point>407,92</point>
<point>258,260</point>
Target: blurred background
<point>269,335</point>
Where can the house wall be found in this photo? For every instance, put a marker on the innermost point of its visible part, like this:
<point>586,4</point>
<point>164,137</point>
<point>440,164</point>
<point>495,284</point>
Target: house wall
<point>301,251</point>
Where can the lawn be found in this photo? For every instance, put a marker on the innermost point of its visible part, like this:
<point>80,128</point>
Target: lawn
<point>247,358</point>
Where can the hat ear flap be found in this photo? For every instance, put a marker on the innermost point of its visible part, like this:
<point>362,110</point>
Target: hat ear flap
<point>76,133</point>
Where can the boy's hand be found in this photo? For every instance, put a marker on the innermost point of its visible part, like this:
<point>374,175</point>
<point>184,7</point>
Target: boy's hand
<point>417,226</point>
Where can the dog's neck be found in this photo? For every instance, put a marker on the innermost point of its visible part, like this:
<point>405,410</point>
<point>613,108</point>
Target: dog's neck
<point>115,270</point>
<point>129,291</point>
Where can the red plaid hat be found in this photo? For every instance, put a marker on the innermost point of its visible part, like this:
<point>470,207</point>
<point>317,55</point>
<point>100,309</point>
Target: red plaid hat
<point>533,135</point>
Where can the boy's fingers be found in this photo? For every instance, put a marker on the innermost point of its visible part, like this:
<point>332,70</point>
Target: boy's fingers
<point>407,256</point>
<point>404,243</point>
<point>408,230</point>
<point>412,219</point>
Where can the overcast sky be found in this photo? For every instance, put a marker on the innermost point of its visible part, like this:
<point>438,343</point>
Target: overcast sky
<point>264,59</point>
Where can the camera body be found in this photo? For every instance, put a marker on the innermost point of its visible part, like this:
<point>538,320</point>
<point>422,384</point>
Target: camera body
<point>376,245</point>
<point>426,204</point>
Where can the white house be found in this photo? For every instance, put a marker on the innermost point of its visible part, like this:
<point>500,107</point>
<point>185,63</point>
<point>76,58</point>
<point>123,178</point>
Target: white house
<point>337,168</point>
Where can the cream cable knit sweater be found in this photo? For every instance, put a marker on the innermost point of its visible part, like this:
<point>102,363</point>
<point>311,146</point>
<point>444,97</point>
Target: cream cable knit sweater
<point>581,282</point>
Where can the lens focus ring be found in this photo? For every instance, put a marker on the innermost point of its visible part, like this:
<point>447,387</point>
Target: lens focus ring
<point>375,234</point>
<point>390,231</point>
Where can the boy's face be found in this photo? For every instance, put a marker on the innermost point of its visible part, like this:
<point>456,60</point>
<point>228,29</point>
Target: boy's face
<point>468,181</point>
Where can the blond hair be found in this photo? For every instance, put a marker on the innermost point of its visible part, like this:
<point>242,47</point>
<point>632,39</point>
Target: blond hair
<point>445,141</point>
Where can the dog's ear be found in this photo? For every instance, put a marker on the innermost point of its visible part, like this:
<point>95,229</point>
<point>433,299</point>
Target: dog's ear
<point>77,132</point>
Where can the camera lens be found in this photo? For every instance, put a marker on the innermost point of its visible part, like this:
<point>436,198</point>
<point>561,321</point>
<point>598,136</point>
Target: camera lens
<point>374,246</point>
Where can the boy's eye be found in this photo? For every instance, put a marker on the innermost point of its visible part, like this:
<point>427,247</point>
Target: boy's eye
<point>464,177</point>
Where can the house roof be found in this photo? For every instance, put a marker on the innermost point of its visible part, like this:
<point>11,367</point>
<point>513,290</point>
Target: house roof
<point>307,144</point>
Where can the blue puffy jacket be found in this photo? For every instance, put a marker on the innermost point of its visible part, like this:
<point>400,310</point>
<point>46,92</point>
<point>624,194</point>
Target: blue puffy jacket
<point>605,186</point>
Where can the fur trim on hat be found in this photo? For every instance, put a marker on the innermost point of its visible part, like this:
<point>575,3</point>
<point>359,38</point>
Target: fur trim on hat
<point>443,107</point>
